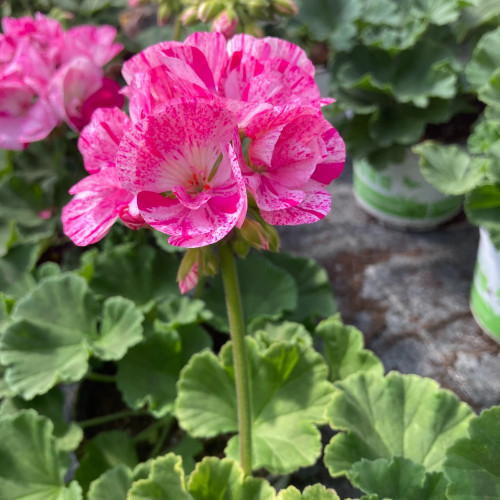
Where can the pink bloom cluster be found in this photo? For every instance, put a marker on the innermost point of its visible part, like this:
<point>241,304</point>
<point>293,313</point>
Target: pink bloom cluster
<point>212,125</point>
<point>48,75</point>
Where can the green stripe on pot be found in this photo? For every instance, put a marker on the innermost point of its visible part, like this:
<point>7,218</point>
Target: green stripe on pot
<point>483,314</point>
<point>400,195</point>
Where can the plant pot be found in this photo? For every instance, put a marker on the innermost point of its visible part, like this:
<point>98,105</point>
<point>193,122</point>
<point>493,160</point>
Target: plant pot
<point>399,196</point>
<point>485,293</point>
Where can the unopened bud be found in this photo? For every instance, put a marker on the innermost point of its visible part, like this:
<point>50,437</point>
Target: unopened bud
<point>163,14</point>
<point>258,9</point>
<point>209,9</point>
<point>255,30</point>
<point>259,235</point>
<point>285,7</point>
<point>226,23</point>
<point>189,16</point>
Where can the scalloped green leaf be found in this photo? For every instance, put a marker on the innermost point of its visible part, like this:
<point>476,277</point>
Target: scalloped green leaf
<point>398,479</point>
<point>315,296</point>
<point>399,415</point>
<point>15,277</point>
<point>31,466</point>
<point>112,484</point>
<point>212,478</point>
<point>105,451</point>
<point>343,350</point>
<point>485,59</point>
<point>182,311</point>
<point>315,492</point>
<point>472,463</point>
<point>449,168</point>
<point>490,93</point>
<point>258,298</point>
<point>289,393</point>
<point>48,339</point>
<point>267,333</point>
<point>50,405</point>
<point>482,206</point>
<point>149,371</point>
<point>120,329</point>
<point>137,272</point>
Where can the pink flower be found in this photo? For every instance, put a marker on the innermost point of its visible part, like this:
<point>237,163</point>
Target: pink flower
<point>183,163</point>
<point>100,199</point>
<point>249,73</point>
<point>293,153</point>
<point>48,76</point>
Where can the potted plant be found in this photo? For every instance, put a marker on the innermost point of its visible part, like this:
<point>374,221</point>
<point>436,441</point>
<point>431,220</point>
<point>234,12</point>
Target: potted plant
<point>476,174</point>
<point>396,71</point>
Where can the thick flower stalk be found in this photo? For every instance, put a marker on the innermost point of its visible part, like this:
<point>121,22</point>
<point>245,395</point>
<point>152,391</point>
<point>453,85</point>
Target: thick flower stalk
<point>49,76</point>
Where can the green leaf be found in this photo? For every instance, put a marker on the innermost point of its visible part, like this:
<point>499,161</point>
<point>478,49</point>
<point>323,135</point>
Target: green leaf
<point>106,451</point>
<point>482,207</point>
<point>343,350</point>
<point>398,479</point>
<point>49,405</point>
<point>149,372</point>
<point>315,297</point>
<point>485,60</point>
<point>472,463</point>
<point>187,449</point>
<point>267,333</point>
<point>449,168</point>
<point>31,465</point>
<point>182,311</point>
<point>288,393</point>
<point>490,93</point>
<point>113,484</point>
<point>15,267</point>
<point>212,479</point>
<point>259,299</point>
<point>48,340</point>
<point>399,415</point>
<point>316,492</point>
<point>136,272</point>
<point>121,328</point>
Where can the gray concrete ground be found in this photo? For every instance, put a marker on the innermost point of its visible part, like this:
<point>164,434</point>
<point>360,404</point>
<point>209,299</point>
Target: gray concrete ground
<point>407,292</point>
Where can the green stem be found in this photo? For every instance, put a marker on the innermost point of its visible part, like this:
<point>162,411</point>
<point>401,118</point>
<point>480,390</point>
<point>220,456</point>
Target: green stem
<point>91,422</point>
<point>144,435</point>
<point>177,28</point>
<point>100,377</point>
<point>161,439</point>
<point>241,372</point>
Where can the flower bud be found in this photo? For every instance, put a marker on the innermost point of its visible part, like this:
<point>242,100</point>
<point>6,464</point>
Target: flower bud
<point>163,14</point>
<point>255,30</point>
<point>258,9</point>
<point>285,7</point>
<point>189,16</point>
<point>209,9</point>
<point>259,235</point>
<point>225,23</point>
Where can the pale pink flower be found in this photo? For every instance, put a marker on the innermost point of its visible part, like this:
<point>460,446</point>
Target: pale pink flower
<point>183,163</point>
<point>293,152</point>
<point>249,73</point>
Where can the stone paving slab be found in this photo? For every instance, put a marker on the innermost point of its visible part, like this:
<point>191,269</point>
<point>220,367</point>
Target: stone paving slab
<point>407,292</point>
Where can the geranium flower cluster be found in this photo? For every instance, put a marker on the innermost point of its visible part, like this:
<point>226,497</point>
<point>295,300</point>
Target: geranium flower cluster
<point>218,132</point>
<point>48,75</point>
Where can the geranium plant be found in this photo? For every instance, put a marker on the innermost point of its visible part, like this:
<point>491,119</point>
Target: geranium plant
<point>222,141</point>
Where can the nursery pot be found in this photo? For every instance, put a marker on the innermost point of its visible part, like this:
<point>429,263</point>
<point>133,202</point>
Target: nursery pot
<point>399,196</point>
<point>485,293</point>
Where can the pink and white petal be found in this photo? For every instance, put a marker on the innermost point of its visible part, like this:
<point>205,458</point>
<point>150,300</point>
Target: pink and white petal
<point>332,165</point>
<point>39,122</point>
<point>131,216</point>
<point>190,201</point>
<point>147,59</point>
<point>10,133</point>
<point>99,140</point>
<point>213,45</point>
<point>270,195</point>
<point>94,42</point>
<point>240,70</point>
<point>166,148</point>
<point>97,204</point>
<point>271,48</point>
<point>315,206</point>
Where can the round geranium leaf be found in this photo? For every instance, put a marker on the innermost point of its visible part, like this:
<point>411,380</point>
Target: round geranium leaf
<point>343,350</point>
<point>121,328</point>
<point>48,339</point>
<point>182,311</point>
<point>399,415</point>
<point>149,372</point>
<point>398,479</point>
<point>289,394</point>
<point>31,465</point>
<point>472,463</point>
<point>316,492</point>
<point>113,484</point>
